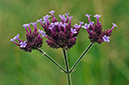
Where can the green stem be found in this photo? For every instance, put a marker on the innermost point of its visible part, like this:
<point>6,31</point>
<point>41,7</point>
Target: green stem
<point>69,79</point>
<point>67,67</point>
<point>79,59</point>
<point>52,60</point>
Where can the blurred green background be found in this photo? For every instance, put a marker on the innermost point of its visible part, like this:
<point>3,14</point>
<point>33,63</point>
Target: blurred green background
<point>104,64</point>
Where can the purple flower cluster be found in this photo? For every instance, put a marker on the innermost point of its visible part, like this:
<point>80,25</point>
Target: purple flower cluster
<point>60,34</point>
<point>95,30</point>
<point>33,41</point>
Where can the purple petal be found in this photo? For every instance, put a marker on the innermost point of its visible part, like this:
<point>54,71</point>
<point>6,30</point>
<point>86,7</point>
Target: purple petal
<point>67,14</point>
<point>26,25</point>
<point>50,28</point>
<point>16,37</point>
<point>42,32</point>
<point>73,31</point>
<point>86,26</point>
<point>70,17</point>
<point>63,17</point>
<point>52,24</point>
<point>12,39</point>
<point>114,25</point>
<point>106,38</point>
<point>64,25</point>
<point>56,23</point>
<point>88,15</point>
<point>40,20</point>
<point>91,23</point>
<point>45,18</point>
<point>23,44</point>
<point>61,24</point>
<point>51,12</point>
<point>77,26</point>
<point>97,16</point>
<point>81,23</point>
<point>34,23</point>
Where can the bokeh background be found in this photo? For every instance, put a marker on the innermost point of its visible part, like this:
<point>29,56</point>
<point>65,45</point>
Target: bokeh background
<point>104,64</point>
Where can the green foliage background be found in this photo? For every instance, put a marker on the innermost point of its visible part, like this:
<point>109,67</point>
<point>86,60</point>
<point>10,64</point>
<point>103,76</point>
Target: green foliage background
<point>104,64</point>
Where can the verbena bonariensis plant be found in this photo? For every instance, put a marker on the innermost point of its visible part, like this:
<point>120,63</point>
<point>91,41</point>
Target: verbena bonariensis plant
<point>61,34</point>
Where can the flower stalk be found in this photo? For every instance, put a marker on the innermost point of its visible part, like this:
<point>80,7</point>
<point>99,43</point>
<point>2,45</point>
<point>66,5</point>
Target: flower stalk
<point>79,59</point>
<point>67,67</point>
<point>52,60</point>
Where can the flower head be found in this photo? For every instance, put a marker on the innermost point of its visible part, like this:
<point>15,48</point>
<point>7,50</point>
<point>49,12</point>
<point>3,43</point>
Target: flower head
<point>33,41</point>
<point>95,31</point>
<point>61,34</point>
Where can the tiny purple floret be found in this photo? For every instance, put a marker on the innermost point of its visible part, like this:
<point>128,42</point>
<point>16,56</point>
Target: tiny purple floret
<point>77,26</point>
<point>91,23</point>
<point>62,17</point>
<point>50,28</point>
<point>42,32</point>
<point>34,23</point>
<point>61,23</point>
<point>51,12</point>
<point>26,25</point>
<point>52,24</point>
<point>56,23</point>
<point>114,25</point>
<point>12,39</point>
<point>97,16</point>
<point>45,18</point>
<point>64,25</point>
<point>73,31</point>
<point>81,23</point>
<point>23,44</point>
<point>16,37</point>
<point>67,14</point>
<point>86,26</point>
<point>40,20</point>
<point>88,15</point>
<point>106,38</point>
<point>70,17</point>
